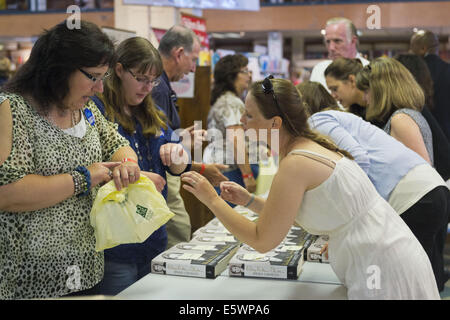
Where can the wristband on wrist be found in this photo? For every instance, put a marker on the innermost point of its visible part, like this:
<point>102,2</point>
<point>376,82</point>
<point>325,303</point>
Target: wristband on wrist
<point>79,182</point>
<point>129,160</point>
<point>245,176</point>
<point>202,169</point>
<point>252,198</point>
<point>87,180</point>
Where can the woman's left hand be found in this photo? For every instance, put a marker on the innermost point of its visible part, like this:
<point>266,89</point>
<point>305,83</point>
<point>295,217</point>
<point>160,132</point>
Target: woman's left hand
<point>125,173</point>
<point>172,153</point>
<point>199,186</point>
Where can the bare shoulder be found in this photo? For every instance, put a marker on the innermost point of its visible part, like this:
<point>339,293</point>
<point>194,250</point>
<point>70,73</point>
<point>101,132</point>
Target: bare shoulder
<point>5,130</point>
<point>402,120</point>
<point>295,167</point>
<point>402,125</point>
<point>305,170</point>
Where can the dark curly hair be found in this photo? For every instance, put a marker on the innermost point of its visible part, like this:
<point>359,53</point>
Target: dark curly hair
<point>58,53</point>
<point>225,73</point>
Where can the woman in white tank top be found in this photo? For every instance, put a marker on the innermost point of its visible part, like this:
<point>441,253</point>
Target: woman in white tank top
<point>324,191</point>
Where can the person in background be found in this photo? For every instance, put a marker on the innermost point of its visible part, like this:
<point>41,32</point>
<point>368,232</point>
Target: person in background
<point>316,97</point>
<point>411,186</point>
<point>441,146</point>
<point>5,66</point>
<point>340,77</point>
<point>179,49</point>
<point>231,79</point>
<point>424,43</point>
<point>54,144</point>
<point>126,100</point>
<point>363,229</point>
<point>394,102</point>
<point>341,40</point>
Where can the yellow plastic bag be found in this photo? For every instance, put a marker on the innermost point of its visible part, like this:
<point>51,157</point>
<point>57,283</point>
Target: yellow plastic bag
<point>130,215</point>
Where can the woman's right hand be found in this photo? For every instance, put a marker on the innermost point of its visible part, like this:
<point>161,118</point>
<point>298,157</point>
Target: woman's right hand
<point>232,192</point>
<point>159,181</point>
<point>101,172</point>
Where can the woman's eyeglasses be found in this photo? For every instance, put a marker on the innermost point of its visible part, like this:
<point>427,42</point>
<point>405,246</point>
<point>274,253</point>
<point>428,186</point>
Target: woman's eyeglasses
<point>246,71</point>
<point>268,89</point>
<point>145,80</point>
<point>92,78</point>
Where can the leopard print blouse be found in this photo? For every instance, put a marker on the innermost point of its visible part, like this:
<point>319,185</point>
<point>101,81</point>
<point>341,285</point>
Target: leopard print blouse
<point>50,252</point>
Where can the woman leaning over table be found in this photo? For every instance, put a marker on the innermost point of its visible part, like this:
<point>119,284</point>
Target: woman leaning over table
<point>321,189</point>
<point>53,146</point>
<point>127,101</point>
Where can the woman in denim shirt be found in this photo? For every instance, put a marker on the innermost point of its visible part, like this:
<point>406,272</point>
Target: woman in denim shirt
<point>127,101</point>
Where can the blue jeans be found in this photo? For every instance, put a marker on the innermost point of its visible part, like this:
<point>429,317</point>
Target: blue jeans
<point>236,176</point>
<point>119,276</point>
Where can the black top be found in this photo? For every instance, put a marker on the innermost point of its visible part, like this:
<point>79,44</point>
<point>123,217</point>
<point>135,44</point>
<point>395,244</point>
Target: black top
<point>440,73</point>
<point>441,146</point>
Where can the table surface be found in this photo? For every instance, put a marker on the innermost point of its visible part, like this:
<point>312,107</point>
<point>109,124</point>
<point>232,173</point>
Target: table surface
<point>317,281</point>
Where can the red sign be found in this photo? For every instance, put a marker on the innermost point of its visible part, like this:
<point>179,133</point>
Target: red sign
<point>198,25</point>
<point>159,33</point>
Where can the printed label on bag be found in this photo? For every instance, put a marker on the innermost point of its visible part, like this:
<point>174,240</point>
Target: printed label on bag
<point>142,211</point>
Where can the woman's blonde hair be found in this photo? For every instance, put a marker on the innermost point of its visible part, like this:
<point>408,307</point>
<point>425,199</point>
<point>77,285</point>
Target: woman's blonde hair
<point>290,107</point>
<point>392,87</point>
<point>136,52</point>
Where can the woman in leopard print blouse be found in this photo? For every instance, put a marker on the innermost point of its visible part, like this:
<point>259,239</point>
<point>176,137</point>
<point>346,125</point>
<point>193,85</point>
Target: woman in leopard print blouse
<point>54,148</point>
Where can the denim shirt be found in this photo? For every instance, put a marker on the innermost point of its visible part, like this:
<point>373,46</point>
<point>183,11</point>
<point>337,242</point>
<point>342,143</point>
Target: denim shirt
<point>147,149</point>
<point>166,99</point>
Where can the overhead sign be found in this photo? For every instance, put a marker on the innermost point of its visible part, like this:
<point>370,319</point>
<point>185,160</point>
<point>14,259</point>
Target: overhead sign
<point>198,25</point>
<point>247,5</point>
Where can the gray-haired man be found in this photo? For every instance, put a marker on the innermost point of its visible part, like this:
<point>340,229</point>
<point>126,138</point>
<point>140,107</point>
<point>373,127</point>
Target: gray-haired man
<point>179,49</point>
<point>341,40</point>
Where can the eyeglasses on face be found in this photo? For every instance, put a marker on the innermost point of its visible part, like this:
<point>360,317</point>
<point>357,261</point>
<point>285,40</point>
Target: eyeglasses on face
<point>245,71</point>
<point>92,78</point>
<point>144,80</point>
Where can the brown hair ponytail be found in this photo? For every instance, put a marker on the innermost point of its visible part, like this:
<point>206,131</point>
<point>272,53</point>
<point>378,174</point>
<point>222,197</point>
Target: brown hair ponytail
<point>294,109</point>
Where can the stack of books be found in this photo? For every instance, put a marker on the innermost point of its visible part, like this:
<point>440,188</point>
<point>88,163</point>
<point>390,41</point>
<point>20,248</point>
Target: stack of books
<point>313,252</point>
<point>205,256</point>
<point>213,248</point>
<point>283,262</point>
<point>194,259</point>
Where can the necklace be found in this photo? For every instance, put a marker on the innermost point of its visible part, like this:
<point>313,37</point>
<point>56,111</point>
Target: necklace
<point>73,119</point>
